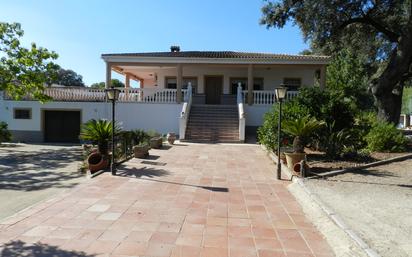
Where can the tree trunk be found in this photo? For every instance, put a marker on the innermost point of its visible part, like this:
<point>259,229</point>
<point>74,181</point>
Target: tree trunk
<point>387,89</point>
<point>389,106</point>
<point>298,145</point>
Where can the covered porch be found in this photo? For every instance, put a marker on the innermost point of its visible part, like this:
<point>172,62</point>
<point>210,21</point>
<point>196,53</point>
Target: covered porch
<point>212,82</point>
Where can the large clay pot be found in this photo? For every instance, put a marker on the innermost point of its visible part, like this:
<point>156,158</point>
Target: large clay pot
<point>156,143</point>
<point>171,137</point>
<point>141,151</point>
<point>293,158</point>
<point>96,162</point>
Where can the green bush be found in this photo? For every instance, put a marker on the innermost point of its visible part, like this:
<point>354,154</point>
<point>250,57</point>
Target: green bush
<point>302,129</point>
<point>268,132</point>
<point>5,135</point>
<point>385,137</point>
<point>139,136</point>
<point>326,106</point>
<point>99,132</point>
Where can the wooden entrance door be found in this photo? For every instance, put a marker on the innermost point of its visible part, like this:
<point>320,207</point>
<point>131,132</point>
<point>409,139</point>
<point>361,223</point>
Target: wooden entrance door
<point>213,89</point>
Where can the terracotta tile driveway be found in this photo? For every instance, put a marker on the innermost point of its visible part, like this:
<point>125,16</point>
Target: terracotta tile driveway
<point>188,200</point>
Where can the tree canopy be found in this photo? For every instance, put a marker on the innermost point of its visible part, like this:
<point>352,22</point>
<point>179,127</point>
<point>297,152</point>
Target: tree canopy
<point>68,78</point>
<point>378,32</point>
<point>115,83</point>
<point>24,70</point>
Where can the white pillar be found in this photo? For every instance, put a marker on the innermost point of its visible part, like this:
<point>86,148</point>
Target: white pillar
<point>108,75</point>
<point>250,84</point>
<point>127,86</point>
<point>179,82</point>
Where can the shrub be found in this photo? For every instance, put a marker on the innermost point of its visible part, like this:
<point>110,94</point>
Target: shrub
<point>5,134</point>
<point>323,105</point>
<point>139,136</point>
<point>302,129</point>
<point>268,132</point>
<point>385,137</point>
<point>99,132</point>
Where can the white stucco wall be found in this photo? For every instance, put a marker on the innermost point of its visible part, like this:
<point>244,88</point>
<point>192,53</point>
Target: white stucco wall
<point>163,118</point>
<point>255,114</point>
<point>160,117</point>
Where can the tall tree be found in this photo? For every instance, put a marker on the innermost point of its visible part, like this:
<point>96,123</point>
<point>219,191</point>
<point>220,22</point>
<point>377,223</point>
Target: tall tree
<point>24,70</point>
<point>69,78</point>
<point>115,83</point>
<point>380,32</point>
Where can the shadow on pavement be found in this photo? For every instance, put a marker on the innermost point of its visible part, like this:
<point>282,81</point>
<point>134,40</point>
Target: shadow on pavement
<point>36,170</point>
<point>20,248</point>
<point>153,173</point>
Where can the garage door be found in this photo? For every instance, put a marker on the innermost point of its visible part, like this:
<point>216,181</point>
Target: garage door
<point>61,126</point>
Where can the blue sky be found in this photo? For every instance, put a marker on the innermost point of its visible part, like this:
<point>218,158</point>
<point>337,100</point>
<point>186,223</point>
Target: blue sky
<point>81,30</point>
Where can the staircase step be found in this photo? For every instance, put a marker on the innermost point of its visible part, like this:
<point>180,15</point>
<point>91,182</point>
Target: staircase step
<point>213,123</point>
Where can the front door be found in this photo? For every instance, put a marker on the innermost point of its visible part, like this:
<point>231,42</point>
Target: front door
<point>213,89</point>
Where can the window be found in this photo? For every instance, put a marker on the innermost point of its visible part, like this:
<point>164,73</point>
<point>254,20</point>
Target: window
<point>22,114</point>
<point>171,83</point>
<point>257,84</point>
<point>293,84</point>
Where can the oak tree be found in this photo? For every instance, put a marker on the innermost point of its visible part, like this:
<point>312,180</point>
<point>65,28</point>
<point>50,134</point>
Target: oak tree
<point>378,31</point>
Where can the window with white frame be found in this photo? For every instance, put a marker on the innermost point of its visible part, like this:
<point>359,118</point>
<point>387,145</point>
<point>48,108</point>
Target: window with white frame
<point>234,82</point>
<point>171,83</point>
<point>293,84</point>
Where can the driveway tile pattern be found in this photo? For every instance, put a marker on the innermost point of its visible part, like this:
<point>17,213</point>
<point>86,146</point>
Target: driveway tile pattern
<point>194,200</point>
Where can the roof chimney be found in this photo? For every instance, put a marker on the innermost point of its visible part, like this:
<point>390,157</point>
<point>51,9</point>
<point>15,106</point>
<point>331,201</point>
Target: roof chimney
<point>174,49</point>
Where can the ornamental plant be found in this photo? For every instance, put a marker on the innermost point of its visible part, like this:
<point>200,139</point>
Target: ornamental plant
<point>99,132</point>
<point>302,129</point>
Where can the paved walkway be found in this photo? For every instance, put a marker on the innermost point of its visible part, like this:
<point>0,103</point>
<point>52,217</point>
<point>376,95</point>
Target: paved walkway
<point>30,173</point>
<point>189,200</point>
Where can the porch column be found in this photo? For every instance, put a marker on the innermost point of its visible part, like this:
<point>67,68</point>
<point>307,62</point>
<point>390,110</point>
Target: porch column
<point>108,75</point>
<point>323,76</point>
<point>250,84</point>
<point>127,85</point>
<point>179,82</point>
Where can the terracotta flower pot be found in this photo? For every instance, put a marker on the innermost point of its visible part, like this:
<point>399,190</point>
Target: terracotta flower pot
<point>293,158</point>
<point>96,162</point>
<point>171,137</point>
<point>141,151</point>
<point>156,143</point>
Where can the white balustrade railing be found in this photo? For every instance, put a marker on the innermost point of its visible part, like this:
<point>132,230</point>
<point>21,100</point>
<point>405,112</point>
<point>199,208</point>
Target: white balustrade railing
<point>147,95</point>
<point>266,97</point>
<point>184,115</point>
<point>242,119</point>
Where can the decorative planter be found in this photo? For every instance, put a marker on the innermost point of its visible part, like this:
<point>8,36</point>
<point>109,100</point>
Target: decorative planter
<point>141,151</point>
<point>96,162</point>
<point>156,142</point>
<point>171,137</point>
<point>283,158</point>
<point>293,158</point>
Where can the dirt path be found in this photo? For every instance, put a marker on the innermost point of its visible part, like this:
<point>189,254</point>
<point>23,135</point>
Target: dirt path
<point>376,203</point>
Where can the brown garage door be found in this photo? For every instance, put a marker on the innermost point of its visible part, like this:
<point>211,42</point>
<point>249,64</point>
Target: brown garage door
<point>61,126</point>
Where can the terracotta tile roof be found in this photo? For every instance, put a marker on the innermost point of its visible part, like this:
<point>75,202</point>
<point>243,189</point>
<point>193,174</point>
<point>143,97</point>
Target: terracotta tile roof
<point>223,55</point>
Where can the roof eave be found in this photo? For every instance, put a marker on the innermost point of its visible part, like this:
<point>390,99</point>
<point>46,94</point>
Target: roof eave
<point>192,60</point>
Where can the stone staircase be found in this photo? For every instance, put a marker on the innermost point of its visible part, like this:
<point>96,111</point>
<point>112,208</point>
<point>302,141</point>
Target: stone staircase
<point>213,123</point>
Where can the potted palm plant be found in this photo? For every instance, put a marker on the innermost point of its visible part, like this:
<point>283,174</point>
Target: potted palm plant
<point>98,132</point>
<point>302,130</point>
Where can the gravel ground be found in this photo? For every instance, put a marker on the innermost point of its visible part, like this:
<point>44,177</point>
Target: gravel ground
<point>376,203</point>
<point>31,173</point>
